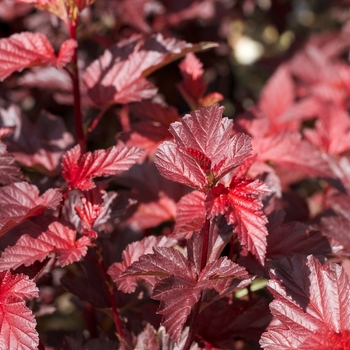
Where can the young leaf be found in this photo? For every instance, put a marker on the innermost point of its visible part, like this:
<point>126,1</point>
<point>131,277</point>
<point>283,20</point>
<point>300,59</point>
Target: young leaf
<point>312,305</point>
<point>204,149</point>
<point>79,170</point>
<point>17,329</point>
<point>21,201</point>
<point>240,204</point>
<point>40,237</point>
<point>27,49</point>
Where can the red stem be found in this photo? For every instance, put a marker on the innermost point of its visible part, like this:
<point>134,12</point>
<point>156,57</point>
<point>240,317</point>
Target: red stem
<point>195,313</point>
<point>78,118</point>
<point>111,291</point>
<point>205,243</point>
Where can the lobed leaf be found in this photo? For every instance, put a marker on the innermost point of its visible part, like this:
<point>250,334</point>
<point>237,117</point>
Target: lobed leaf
<point>40,237</point>
<point>28,49</point>
<point>17,329</point>
<point>10,172</point>
<point>204,149</point>
<point>312,305</point>
<point>21,200</point>
<point>241,207</point>
<point>79,170</point>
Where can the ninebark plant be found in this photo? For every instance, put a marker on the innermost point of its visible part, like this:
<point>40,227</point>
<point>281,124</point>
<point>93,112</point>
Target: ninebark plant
<point>168,238</point>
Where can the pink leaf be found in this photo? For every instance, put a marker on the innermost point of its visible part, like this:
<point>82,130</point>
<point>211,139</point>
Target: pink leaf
<point>289,151</point>
<point>204,149</point>
<point>312,305</point>
<point>17,329</point>
<point>332,132</point>
<point>40,237</point>
<point>9,171</point>
<point>27,49</point>
<point>21,201</point>
<point>242,208</point>
<point>79,170</point>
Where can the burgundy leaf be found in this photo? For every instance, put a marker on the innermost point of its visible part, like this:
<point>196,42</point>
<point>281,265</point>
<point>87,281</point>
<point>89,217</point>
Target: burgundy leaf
<point>131,254</point>
<point>27,49</point>
<point>240,204</point>
<point>156,196</point>
<point>293,238</point>
<point>21,201</point>
<point>221,321</point>
<point>118,76</point>
<point>79,170</point>
<point>312,305</point>
<point>40,237</point>
<point>9,171</point>
<point>179,284</point>
<point>204,149</point>
<point>17,329</point>
<point>40,144</point>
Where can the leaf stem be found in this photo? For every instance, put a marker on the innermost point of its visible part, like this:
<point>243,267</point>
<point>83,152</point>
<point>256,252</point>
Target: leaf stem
<point>111,291</point>
<point>195,313</point>
<point>193,325</point>
<point>78,118</point>
<point>205,243</point>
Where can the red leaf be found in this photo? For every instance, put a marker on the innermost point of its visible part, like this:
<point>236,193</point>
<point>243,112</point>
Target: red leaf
<point>57,7</point>
<point>40,237</point>
<point>190,214</point>
<point>79,170</point>
<point>312,305</point>
<point>21,201</point>
<point>131,254</point>
<point>293,238</point>
<point>17,329</point>
<point>289,151</point>
<point>156,196</point>
<point>118,76</point>
<point>181,284</point>
<point>242,208</point>
<point>152,128</point>
<point>278,94</point>
<point>134,13</point>
<point>204,149</point>
<point>39,145</point>
<point>27,49</point>
<point>223,320</point>
<point>192,87</point>
<point>9,171</point>
<point>332,132</point>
